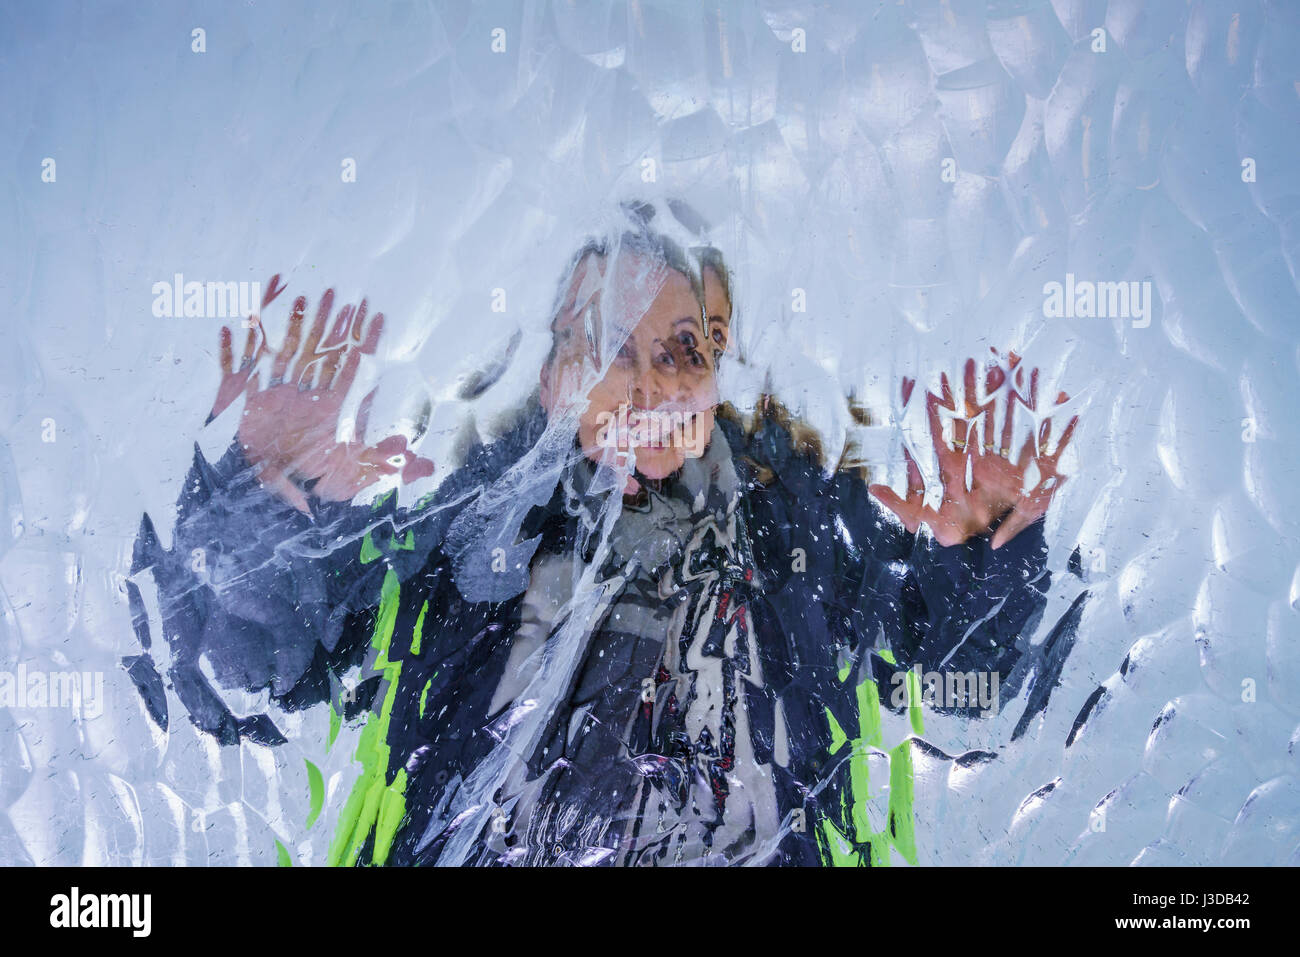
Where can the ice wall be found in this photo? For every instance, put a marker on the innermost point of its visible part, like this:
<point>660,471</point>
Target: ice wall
<point>894,185</point>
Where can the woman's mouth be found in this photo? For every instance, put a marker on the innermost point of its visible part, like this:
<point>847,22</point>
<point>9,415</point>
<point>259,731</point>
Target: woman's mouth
<point>652,429</point>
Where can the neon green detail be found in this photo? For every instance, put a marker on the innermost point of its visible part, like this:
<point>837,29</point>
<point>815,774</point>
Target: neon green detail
<point>837,851</point>
<point>316,785</point>
<point>888,656</point>
<point>866,846</point>
<point>902,824</point>
<point>914,703</point>
<point>336,722</point>
<point>392,808</point>
<point>838,737</point>
<point>375,805</point>
<point>860,788</point>
<point>869,714</point>
<point>368,550</point>
<point>424,695</point>
<point>418,637</point>
<point>282,858</point>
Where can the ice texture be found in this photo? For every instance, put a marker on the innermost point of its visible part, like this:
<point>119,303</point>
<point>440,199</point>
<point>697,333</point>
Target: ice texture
<point>893,185</point>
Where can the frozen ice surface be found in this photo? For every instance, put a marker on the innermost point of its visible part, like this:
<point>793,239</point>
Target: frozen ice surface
<point>918,170</point>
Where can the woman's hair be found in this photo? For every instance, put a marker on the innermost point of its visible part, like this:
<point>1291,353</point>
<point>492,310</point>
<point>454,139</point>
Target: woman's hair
<point>642,239</point>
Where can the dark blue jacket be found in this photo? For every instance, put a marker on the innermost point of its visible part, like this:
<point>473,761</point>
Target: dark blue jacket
<point>276,599</point>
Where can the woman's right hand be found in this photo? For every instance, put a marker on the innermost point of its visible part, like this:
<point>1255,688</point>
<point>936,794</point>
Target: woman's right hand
<point>289,426</point>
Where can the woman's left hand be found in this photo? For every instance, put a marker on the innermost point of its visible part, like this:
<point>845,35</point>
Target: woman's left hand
<point>996,489</point>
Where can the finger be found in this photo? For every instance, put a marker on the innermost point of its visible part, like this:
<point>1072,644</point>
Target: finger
<point>1014,523</point>
<point>915,481</point>
<point>308,353</point>
<point>1033,390</point>
<point>908,384</point>
<point>329,366</point>
<point>276,481</point>
<point>363,414</point>
<point>272,290</point>
<point>352,362</point>
<point>1047,488</point>
<point>359,321</point>
<point>960,426</point>
<point>293,336</point>
<point>1065,438</point>
<point>941,449</point>
<point>988,429</point>
<point>1021,517</point>
<point>1044,436</point>
<point>960,430</point>
<point>417,468</point>
<point>350,365</point>
<point>993,379</point>
<point>1026,456</point>
<point>385,449</point>
<point>907,513</point>
<point>342,323</point>
<point>1008,424</point>
<point>951,456</point>
<point>376,329</point>
<point>227,352</point>
<point>337,344</point>
<point>251,345</point>
<point>948,400</point>
<point>968,387</point>
<point>232,380</point>
<point>281,363</point>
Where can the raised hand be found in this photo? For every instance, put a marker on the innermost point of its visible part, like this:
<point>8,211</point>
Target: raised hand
<point>289,425</point>
<point>982,484</point>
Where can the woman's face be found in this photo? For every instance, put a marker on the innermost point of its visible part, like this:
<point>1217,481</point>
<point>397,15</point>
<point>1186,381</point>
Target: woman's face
<point>656,399</point>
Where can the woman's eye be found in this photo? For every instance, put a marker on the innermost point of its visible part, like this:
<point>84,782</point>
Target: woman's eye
<point>689,345</point>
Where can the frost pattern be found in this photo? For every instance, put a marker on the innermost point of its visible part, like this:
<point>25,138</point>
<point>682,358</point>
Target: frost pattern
<point>815,139</point>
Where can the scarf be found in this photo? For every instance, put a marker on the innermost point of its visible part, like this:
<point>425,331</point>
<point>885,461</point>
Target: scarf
<point>648,757</point>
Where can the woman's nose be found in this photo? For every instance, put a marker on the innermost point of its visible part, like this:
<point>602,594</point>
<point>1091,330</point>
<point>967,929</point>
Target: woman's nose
<point>648,389</point>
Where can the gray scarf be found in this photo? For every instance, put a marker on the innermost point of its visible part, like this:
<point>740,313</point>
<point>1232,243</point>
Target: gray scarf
<point>648,758</point>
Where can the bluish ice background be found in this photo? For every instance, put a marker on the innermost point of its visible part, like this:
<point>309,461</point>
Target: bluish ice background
<point>818,156</point>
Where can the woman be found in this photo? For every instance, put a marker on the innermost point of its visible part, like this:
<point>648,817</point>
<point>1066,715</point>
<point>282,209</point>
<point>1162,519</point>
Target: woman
<point>631,630</point>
